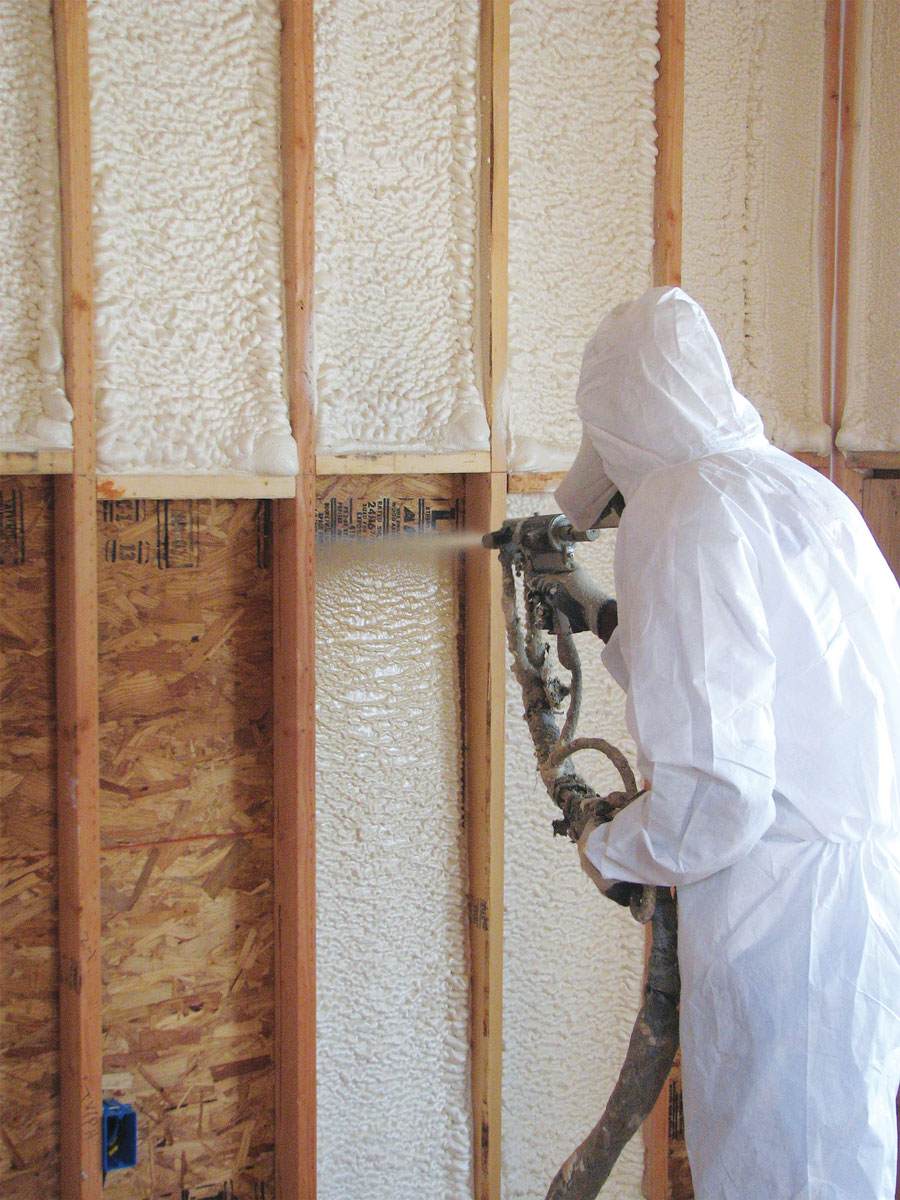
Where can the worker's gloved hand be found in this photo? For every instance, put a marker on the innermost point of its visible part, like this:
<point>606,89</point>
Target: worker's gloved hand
<point>613,889</point>
<point>580,601</point>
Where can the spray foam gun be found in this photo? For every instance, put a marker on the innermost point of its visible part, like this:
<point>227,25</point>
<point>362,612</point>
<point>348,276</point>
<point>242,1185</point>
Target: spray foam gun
<point>560,600</point>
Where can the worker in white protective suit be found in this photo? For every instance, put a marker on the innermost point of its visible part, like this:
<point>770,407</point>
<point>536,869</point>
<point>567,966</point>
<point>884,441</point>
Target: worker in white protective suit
<point>759,647</point>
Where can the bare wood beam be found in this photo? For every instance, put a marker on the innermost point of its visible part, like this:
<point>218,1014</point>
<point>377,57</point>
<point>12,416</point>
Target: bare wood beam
<point>199,485</point>
<point>669,101</point>
<point>485,665</point>
<point>76,641</point>
<point>294,650</point>
<point>667,230</point>
<point>485,683</point>
<point>462,462</point>
<point>36,462</point>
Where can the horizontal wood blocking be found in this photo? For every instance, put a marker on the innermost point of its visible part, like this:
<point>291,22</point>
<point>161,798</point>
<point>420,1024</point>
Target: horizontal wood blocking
<point>36,462</point>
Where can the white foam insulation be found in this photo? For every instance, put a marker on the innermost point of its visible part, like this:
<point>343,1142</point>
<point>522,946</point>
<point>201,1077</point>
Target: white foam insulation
<point>581,160</point>
<point>752,141</point>
<point>188,236</point>
<point>871,419</point>
<point>396,156</point>
<point>393,976</point>
<point>572,960</point>
<point>34,411</point>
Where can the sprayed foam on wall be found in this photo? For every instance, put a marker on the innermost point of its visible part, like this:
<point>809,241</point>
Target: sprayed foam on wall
<point>871,418</point>
<point>582,155</point>
<point>188,237</point>
<point>396,155</point>
<point>393,977</point>
<point>34,411</point>
<point>572,961</point>
<point>752,137</point>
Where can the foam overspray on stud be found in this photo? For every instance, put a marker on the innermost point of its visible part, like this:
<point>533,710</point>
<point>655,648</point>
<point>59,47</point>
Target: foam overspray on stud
<point>185,103</point>
<point>34,411</point>
<point>396,156</point>
<point>582,155</point>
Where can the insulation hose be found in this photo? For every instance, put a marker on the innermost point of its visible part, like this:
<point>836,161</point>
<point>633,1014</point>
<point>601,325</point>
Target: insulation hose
<point>654,1038</point>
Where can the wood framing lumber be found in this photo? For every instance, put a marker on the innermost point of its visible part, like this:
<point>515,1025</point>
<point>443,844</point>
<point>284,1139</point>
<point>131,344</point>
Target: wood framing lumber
<point>845,152</point>
<point>76,641</point>
<point>493,217</point>
<point>828,199</point>
<point>462,462</point>
<point>534,481</point>
<point>667,230</point>
<point>485,696</point>
<point>199,486</point>
<point>294,649</point>
<point>669,101</point>
<point>36,462</point>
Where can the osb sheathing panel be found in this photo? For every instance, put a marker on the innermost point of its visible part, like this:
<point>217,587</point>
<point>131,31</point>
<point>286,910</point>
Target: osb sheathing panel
<point>186,827</point>
<point>29,1089</point>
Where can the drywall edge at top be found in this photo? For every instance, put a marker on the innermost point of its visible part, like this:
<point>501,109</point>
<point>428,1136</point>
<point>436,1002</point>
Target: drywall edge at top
<point>34,411</point>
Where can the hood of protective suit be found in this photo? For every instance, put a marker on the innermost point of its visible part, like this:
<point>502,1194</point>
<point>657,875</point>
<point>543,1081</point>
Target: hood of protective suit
<point>655,389</point>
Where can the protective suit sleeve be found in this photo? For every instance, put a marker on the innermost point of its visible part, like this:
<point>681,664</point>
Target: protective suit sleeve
<point>693,637</point>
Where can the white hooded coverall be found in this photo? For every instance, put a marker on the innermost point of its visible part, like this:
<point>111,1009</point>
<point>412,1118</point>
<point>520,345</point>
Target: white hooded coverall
<point>759,646</point>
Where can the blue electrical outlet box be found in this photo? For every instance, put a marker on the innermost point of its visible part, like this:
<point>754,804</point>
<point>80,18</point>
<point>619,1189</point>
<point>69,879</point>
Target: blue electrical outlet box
<point>119,1136</point>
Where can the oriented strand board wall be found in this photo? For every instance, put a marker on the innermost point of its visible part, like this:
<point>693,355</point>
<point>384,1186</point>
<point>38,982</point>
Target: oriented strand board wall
<point>396,154</point>
<point>573,962</point>
<point>393,977</point>
<point>34,412</point>
<point>871,419</point>
<point>582,152</point>
<point>29,1088</point>
<point>186,828</point>
<point>752,136</point>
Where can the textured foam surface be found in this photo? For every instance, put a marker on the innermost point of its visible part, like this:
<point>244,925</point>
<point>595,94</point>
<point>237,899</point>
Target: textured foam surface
<point>872,415</point>
<point>752,136</point>
<point>393,978</point>
<point>34,412</point>
<point>187,186</point>
<point>396,154</point>
<point>573,961</point>
<point>582,154</point>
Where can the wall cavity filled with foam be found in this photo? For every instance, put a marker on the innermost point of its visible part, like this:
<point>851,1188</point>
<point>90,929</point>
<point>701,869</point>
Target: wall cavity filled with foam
<point>871,418</point>
<point>572,960</point>
<point>34,411</point>
<point>582,154</point>
<point>396,156</point>
<point>752,137</point>
<point>188,238</point>
<point>393,978</point>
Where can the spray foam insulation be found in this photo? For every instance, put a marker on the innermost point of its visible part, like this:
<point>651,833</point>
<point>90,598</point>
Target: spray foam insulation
<point>752,138</point>
<point>185,595</point>
<point>572,961</point>
<point>393,976</point>
<point>29,978</point>
<point>396,155</point>
<point>871,419</point>
<point>34,411</point>
<point>188,237</point>
<point>582,153</point>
